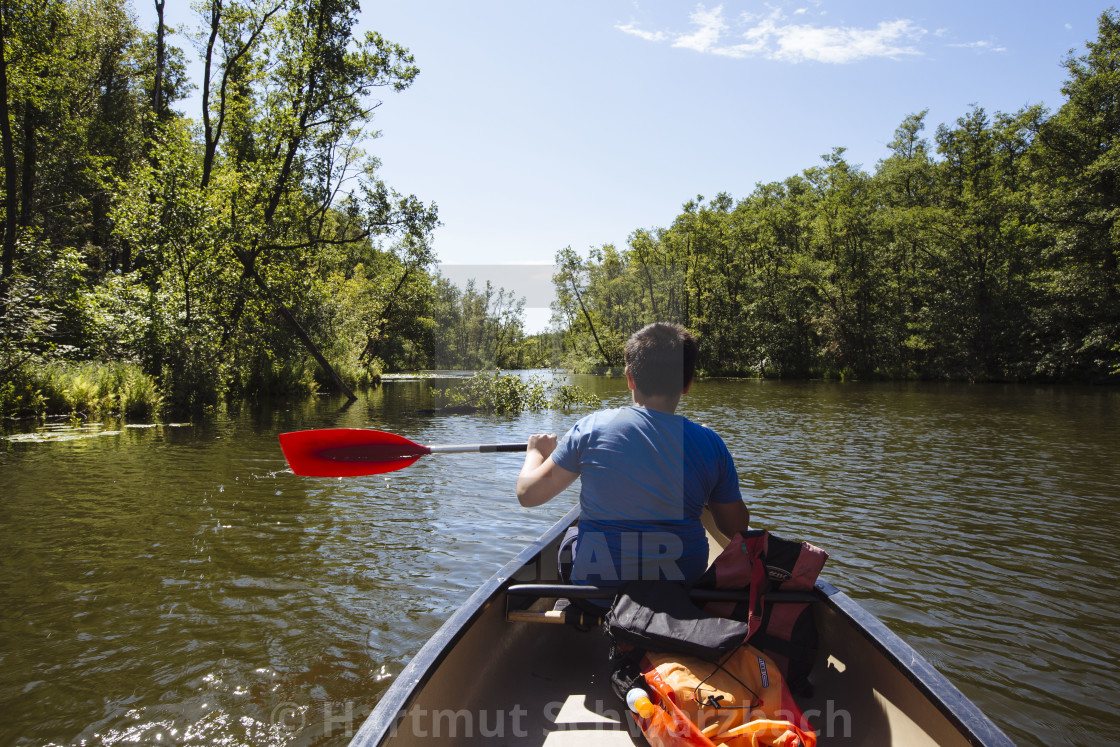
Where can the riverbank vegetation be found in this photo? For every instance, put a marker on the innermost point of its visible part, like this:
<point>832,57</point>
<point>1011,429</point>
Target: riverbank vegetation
<point>156,259</point>
<point>250,249</point>
<point>990,253</point>
<point>505,393</point>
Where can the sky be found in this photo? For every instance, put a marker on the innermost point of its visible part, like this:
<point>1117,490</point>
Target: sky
<point>538,125</point>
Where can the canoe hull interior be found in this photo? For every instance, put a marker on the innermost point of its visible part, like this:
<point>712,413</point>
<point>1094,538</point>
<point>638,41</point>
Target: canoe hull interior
<point>484,680</point>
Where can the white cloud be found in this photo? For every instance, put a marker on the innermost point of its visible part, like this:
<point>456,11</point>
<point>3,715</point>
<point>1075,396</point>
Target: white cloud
<point>838,45</point>
<point>774,38</point>
<point>653,36</point>
<point>709,25</point>
<point>980,46</point>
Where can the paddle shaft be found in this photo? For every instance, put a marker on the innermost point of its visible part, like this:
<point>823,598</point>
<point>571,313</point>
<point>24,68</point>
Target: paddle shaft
<point>474,448</point>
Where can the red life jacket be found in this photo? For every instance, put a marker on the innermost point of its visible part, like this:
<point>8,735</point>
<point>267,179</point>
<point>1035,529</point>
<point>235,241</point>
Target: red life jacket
<point>782,646</point>
<point>786,631</point>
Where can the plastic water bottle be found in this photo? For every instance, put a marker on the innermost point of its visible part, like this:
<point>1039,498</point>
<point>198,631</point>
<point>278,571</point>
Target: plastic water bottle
<point>637,700</point>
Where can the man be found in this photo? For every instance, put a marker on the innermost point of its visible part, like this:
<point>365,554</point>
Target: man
<point>646,473</point>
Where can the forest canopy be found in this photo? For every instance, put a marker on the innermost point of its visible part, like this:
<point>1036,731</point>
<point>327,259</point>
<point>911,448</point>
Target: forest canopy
<point>248,249</point>
<point>990,253</point>
<point>150,257</point>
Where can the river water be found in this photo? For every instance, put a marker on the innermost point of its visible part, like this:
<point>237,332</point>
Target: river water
<point>174,584</point>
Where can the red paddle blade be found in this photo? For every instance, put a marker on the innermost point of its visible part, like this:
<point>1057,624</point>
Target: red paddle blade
<point>348,452</point>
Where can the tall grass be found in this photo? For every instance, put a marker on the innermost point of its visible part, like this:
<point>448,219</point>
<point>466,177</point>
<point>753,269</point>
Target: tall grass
<point>356,375</point>
<point>82,390</point>
<point>95,390</point>
<point>270,377</point>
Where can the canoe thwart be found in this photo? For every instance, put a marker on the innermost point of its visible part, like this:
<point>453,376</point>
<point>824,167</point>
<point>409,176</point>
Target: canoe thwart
<point>569,616</point>
<point>573,591</point>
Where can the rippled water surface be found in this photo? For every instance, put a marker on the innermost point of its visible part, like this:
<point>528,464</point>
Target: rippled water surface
<point>176,583</point>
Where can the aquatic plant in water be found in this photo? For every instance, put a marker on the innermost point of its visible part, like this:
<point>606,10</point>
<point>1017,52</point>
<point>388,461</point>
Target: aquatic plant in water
<point>505,393</point>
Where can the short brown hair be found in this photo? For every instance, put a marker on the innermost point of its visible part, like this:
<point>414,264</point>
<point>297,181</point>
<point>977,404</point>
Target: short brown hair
<point>661,358</point>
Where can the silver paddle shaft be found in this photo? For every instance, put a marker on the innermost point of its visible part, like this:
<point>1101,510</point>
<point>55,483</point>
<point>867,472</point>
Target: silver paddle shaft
<point>474,448</point>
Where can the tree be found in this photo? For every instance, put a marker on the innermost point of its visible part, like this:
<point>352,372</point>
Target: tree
<point>73,91</point>
<point>291,130</point>
<point>1078,195</point>
<point>779,336</point>
<point>398,288</point>
<point>908,193</point>
<point>30,41</point>
<point>238,30</point>
<point>8,153</point>
<point>572,281</point>
<point>845,266</point>
<point>981,272</point>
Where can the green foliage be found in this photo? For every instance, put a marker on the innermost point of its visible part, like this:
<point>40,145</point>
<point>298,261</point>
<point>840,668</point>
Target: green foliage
<point>19,398</point>
<point>994,256</point>
<point>1077,160</point>
<point>569,396</point>
<point>27,326</point>
<point>81,390</point>
<point>219,259</point>
<point>508,393</point>
<point>259,252</point>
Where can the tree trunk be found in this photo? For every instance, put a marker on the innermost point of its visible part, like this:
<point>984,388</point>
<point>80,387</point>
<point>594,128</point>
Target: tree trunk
<point>30,157</point>
<point>301,333</point>
<point>591,325</point>
<point>7,146</point>
<point>373,339</point>
<point>209,138</point>
<point>157,87</point>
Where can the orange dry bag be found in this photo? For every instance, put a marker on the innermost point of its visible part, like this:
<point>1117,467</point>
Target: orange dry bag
<point>740,701</point>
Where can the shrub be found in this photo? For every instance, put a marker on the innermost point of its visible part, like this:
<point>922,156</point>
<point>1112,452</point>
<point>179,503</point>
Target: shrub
<point>506,393</point>
<point>85,389</point>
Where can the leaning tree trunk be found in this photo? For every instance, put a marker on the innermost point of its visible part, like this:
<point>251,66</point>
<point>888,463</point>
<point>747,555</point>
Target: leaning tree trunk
<point>301,333</point>
<point>591,325</point>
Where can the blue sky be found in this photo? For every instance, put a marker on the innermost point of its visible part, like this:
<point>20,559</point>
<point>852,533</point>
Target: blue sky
<point>540,125</point>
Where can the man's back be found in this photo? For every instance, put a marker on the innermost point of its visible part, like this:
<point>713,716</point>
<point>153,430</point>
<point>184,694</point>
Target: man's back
<point>646,473</point>
<point>645,478</point>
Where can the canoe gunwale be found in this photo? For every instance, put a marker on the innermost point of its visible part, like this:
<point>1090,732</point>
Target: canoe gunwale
<point>972,723</point>
<point>391,708</point>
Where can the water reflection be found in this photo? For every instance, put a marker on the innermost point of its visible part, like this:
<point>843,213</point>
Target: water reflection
<point>974,520</point>
<point>179,582</point>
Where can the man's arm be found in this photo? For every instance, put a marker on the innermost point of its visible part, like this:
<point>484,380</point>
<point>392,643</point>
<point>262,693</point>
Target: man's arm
<point>541,479</point>
<point>731,517</point>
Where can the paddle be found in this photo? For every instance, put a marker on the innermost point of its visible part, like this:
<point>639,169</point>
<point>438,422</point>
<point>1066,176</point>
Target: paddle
<point>349,452</point>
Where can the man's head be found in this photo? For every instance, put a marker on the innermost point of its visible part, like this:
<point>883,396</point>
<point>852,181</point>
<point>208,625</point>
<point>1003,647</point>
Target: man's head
<point>661,359</point>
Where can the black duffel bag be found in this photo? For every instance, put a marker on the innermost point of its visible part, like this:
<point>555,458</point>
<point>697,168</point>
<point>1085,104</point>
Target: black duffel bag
<point>660,616</point>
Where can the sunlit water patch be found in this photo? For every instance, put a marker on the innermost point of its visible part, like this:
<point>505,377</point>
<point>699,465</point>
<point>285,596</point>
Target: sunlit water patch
<point>69,432</point>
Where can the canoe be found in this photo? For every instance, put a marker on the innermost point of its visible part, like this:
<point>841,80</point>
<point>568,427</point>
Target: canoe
<point>485,678</point>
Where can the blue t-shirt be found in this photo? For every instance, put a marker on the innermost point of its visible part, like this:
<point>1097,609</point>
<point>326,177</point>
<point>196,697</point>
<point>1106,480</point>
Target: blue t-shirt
<point>645,477</point>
